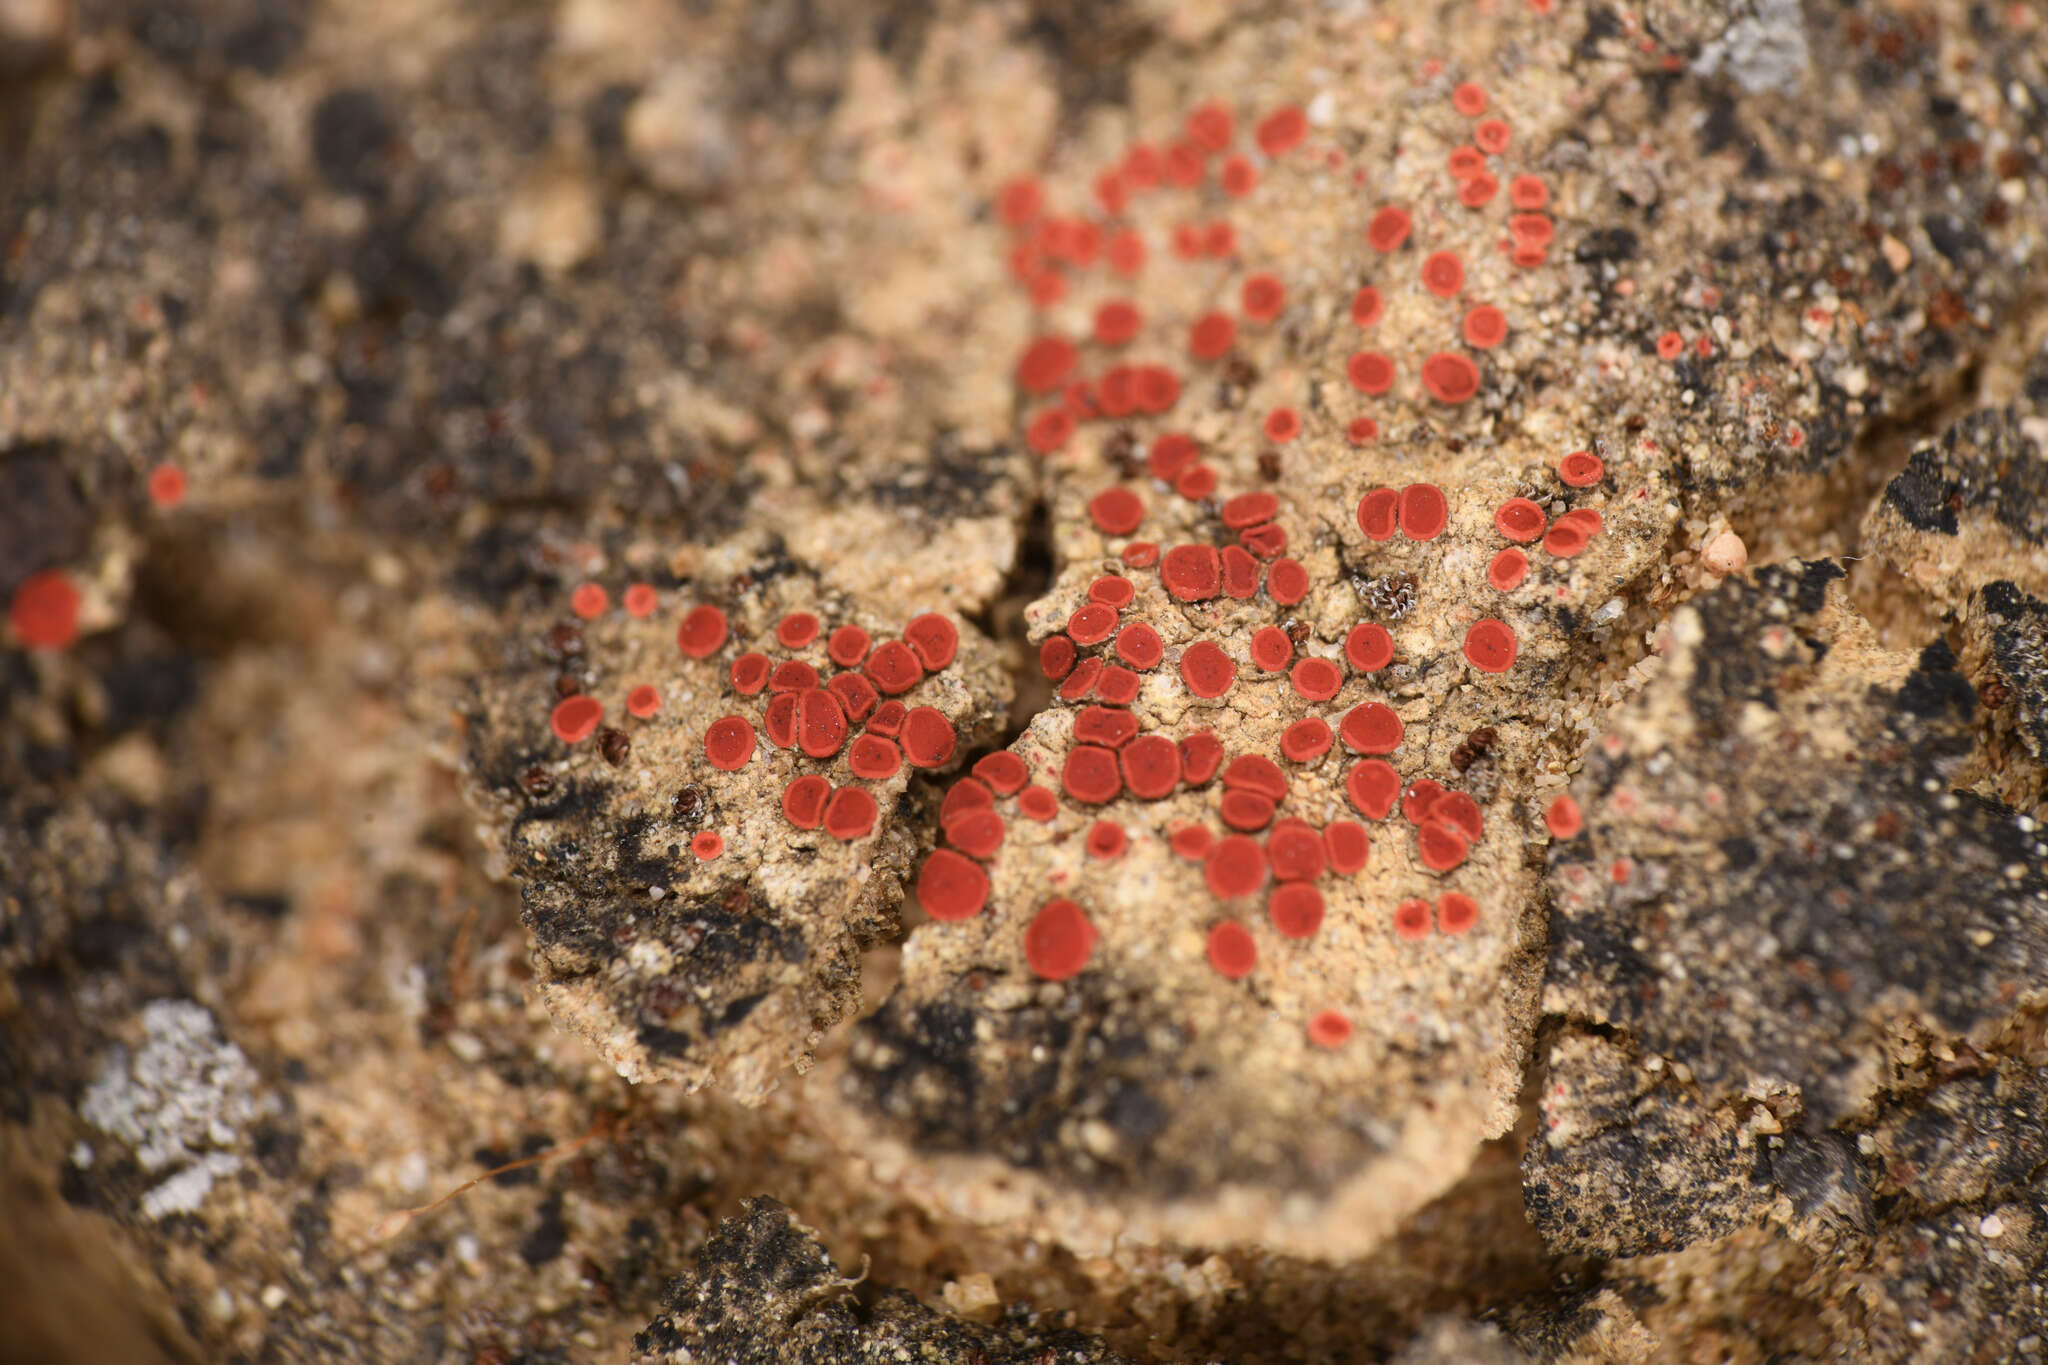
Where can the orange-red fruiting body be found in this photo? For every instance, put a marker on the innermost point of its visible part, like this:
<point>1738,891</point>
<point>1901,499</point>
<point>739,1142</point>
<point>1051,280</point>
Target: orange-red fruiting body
<point>1368,648</point>
<point>1271,649</point>
<point>1192,573</point>
<point>1232,950</point>
<point>1106,839</point>
<point>1485,327</point>
<point>1329,1028</point>
<point>166,485</point>
<point>1139,645</point>
<point>1307,738</point>
<point>951,887</point>
<point>1282,425</point>
<point>847,646</point>
<point>1045,364</point>
<point>873,758</point>
<point>1469,99</point>
<point>928,737</point>
<point>1370,372</point>
<point>1563,819</point>
<point>1200,755</point>
<point>1287,582</point>
<point>575,719</point>
<point>44,611</point>
<point>1004,772</point>
<point>1450,377</point>
<point>1507,571</point>
<point>728,743</point>
<point>1262,297</point>
<point>1670,346</point>
<point>1362,430</point>
<point>1038,803</point>
<point>1518,519</point>
<point>1151,766</point>
<point>1367,306</point>
<point>1491,135</point>
<point>893,668</point>
<point>1281,131</point>
<point>1296,909</point>
<point>796,630</point>
<point>643,701</point>
<point>1443,274</point>
<point>1581,469</point>
<point>1424,511</point>
<point>1212,336</point>
<point>1207,670</point>
<point>1490,646</point>
<point>1059,941</point>
<point>640,600</point>
<point>1388,229</point>
<point>1411,920</point>
<point>803,801</point>
<point>1371,728</point>
<point>1349,846</point>
<point>1316,679</point>
<point>851,814</point>
<point>707,844</point>
<point>702,632</point>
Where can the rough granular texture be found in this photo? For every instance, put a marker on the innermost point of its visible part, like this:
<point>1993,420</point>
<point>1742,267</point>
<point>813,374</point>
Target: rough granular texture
<point>1011,617</point>
<point>764,1290</point>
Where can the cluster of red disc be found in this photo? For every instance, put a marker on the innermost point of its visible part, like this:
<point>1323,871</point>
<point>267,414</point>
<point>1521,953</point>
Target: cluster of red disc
<point>1522,521</point>
<point>806,711</point>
